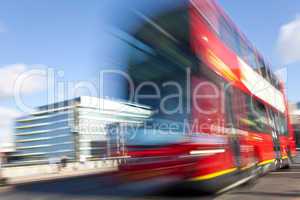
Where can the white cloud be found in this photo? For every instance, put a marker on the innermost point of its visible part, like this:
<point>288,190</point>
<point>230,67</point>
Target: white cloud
<point>7,117</point>
<point>288,43</point>
<point>11,73</point>
<point>31,82</point>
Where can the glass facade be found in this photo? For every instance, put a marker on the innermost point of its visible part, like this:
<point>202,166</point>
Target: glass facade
<point>44,136</point>
<point>74,129</point>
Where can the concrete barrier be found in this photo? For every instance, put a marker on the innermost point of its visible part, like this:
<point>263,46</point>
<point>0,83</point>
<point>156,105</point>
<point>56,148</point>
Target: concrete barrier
<point>36,170</point>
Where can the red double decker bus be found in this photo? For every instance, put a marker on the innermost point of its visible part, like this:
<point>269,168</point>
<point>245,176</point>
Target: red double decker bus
<point>219,113</point>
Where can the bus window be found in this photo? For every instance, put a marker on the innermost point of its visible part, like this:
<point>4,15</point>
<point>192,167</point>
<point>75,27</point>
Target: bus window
<point>249,114</point>
<point>258,116</point>
<point>239,109</point>
<point>159,63</point>
<point>230,37</point>
<point>283,125</point>
<point>260,66</point>
<point>250,57</point>
<point>207,105</point>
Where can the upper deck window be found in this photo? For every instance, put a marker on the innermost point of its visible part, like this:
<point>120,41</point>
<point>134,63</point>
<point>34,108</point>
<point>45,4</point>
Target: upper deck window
<point>229,34</point>
<point>230,37</point>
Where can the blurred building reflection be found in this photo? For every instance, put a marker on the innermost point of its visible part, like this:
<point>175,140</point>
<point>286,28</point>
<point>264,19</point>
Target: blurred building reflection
<point>78,129</point>
<point>295,120</point>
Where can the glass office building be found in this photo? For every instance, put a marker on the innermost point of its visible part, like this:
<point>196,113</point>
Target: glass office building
<point>75,129</point>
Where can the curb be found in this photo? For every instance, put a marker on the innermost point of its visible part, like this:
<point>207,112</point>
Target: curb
<point>57,177</point>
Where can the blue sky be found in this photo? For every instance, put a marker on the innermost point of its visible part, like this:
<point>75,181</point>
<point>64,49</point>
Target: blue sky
<point>73,36</point>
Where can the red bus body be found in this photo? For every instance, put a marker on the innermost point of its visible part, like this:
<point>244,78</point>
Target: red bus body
<point>217,152</point>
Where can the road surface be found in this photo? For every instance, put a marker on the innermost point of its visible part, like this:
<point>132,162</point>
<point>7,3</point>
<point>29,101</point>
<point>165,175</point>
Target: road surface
<point>284,184</point>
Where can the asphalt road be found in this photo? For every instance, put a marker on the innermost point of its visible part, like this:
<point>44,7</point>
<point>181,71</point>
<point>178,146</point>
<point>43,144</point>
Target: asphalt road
<point>284,184</point>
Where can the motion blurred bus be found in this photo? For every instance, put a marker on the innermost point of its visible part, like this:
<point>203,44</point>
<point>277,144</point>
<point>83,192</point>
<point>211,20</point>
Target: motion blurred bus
<point>219,113</point>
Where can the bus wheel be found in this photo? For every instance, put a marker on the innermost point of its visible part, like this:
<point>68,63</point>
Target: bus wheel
<point>253,174</point>
<point>288,162</point>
